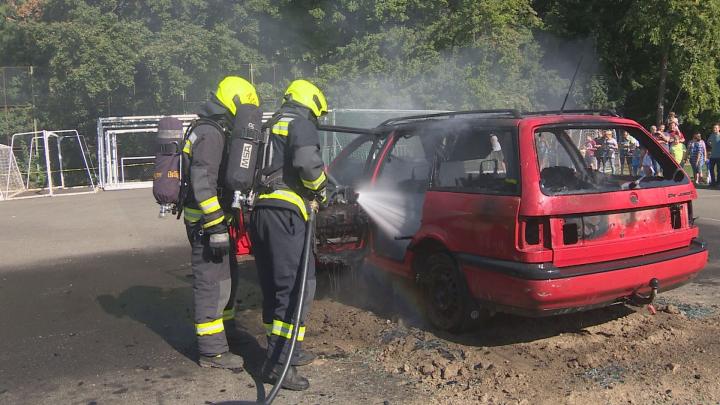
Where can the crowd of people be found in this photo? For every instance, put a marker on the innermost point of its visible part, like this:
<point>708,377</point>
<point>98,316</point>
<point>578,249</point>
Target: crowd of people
<point>702,153</point>
<point>606,153</point>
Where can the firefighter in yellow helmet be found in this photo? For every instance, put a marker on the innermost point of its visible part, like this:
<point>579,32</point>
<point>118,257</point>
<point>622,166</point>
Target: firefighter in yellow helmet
<point>293,178</point>
<point>207,214</point>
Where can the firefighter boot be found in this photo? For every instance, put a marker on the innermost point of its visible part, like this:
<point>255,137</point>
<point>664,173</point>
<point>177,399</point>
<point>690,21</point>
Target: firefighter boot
<point>225,360</point>
<point>304,358</point>
<point>293,381</point>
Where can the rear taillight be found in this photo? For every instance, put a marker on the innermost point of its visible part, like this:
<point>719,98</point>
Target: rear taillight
<point>570,232</point>
<point>676,216</point>
<point>534,232</point>
<point>691,219</point>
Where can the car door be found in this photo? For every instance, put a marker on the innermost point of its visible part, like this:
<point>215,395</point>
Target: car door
<point>396,198</point>
<point>341,226</point>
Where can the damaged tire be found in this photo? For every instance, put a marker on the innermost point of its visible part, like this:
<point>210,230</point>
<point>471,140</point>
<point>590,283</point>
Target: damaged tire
<point>448,304</point>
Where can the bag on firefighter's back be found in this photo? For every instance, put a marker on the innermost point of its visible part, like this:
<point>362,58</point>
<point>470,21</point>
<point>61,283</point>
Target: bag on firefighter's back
<point>245,144</point>
<point>168,157</point>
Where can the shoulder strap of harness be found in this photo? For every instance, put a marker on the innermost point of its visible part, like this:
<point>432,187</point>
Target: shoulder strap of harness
<point>188,139</point>
<point>278,125</point>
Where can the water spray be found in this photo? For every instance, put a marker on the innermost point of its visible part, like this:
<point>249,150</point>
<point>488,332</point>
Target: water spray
<point>385,207</point>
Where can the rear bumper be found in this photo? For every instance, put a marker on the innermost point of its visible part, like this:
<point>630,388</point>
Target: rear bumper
<point>539,290</point>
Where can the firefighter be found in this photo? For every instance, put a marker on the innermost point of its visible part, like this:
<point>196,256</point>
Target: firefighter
<point>207,213</point>
<point>294,181</point>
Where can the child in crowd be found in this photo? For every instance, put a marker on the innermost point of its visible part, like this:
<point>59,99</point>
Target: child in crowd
<point>678,150</point>
<point>590,147</point>
<point>698,154</point>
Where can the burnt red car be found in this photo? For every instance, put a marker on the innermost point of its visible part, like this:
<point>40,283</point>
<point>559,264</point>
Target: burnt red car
<point>527,213</point>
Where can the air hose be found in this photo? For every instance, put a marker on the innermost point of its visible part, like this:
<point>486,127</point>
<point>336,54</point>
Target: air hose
<point>307,253</point>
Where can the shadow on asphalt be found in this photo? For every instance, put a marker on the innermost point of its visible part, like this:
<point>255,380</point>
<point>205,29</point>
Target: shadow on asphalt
<point>168,313</point>
<point>164,311</point>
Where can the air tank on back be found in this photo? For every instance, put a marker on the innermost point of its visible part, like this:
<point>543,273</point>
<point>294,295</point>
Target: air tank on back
<point>168,162</point>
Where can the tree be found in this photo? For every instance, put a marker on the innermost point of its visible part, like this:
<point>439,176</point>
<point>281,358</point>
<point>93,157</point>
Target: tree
<point>660,50</point>
<point>686,35</point>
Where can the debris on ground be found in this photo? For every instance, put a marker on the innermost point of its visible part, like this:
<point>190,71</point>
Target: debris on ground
<point>612,355</point>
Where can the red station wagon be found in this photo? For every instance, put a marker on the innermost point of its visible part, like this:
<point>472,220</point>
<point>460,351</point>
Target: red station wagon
<point>500,211</point>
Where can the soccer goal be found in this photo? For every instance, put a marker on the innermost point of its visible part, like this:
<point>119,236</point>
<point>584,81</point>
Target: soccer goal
<point>53,163</point>
<point>11,182</point>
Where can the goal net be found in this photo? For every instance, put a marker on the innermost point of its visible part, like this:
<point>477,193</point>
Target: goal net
<point>11,182</point>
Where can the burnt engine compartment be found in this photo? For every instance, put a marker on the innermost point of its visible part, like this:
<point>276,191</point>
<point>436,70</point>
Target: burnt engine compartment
<point>342,224</point>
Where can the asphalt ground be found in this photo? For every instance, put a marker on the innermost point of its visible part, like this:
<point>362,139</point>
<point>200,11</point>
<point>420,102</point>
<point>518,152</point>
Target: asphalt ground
<point>96,298</point>
<point>96,293</point>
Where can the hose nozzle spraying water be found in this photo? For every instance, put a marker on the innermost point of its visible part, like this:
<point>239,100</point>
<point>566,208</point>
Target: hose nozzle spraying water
<point>341,194</point>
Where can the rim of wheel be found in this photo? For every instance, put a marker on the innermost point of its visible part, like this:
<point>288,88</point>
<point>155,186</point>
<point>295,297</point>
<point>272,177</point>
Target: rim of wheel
<point>445,292</point>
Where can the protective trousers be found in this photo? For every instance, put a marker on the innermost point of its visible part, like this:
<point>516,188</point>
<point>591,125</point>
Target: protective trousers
<point>214,288</point>
<point>277,236</point>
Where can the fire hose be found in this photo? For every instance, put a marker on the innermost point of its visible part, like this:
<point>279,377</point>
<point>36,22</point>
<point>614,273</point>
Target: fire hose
<point>307,252</point>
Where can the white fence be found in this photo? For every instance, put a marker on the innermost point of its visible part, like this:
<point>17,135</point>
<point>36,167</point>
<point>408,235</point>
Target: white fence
<point>126,145</point>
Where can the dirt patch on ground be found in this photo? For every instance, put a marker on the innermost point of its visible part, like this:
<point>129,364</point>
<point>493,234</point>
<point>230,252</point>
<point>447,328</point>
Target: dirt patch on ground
<point>613,355</point>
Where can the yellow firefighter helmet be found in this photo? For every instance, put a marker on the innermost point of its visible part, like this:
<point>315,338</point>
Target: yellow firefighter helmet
<point>235,86</point>
<point>307,94</point>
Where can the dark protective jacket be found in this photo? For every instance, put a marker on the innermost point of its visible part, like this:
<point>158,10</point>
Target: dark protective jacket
<point>205,160</point>
<point>295,170</point>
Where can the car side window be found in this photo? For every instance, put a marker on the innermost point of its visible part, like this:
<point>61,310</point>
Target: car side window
<point>406,166</point>
<point>478,160</point>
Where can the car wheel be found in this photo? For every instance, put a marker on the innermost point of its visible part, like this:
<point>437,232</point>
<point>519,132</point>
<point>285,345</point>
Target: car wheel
<point>448,304</point>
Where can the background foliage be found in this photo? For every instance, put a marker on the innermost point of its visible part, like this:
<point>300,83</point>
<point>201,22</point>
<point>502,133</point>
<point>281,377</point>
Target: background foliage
<point>94,58</point>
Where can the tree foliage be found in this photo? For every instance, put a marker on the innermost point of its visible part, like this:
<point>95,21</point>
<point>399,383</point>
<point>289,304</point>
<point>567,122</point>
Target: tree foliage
<point>96,58</point>
<point>632,38</point>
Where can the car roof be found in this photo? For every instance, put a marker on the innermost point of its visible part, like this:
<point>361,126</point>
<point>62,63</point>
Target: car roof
<point>506,118</point>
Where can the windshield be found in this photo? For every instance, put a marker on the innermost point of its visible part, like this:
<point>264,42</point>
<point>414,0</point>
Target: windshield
<point>581,160</point>
<point>349,166</point>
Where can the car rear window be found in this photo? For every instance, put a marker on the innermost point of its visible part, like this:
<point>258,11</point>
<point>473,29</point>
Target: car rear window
<point>596,159</point>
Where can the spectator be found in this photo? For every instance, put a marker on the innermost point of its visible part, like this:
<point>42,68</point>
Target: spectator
<point>647,162</point>
<point>590,147</point>
<point>708,149</point>
<point>675,132</point>
<point>543,150</point>
<point>626,146</point>
<point>610,147</point>
<point>496,154</point>
<point>672,118</point>
<point>636,160</point>
<point>714,146</point>
<point>661,138</point>
<point>697,156</point>
<point>678,150</point>
<point>600,151</point>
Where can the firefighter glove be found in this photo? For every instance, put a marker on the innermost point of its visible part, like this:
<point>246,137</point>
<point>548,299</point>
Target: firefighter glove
<point>220,244</point>
<point>314,205</point>
<point>320,197</point>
